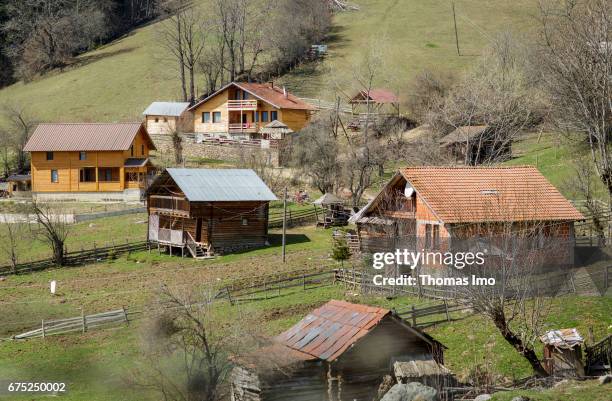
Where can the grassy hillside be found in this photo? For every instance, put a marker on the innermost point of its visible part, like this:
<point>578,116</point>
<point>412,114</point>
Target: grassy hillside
<point>117,81</point>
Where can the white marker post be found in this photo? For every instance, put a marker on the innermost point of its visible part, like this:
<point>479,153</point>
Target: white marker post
<point>53,286</point>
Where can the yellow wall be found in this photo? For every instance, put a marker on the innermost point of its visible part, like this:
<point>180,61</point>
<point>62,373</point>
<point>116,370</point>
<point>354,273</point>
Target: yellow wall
<point>161,126</point>
<point>68,168</point>
<point>295,119</point>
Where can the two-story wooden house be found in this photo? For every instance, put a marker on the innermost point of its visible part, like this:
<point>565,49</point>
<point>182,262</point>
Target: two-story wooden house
<point>96,162</point>
<point>452,208</point>
<point>240,109</point>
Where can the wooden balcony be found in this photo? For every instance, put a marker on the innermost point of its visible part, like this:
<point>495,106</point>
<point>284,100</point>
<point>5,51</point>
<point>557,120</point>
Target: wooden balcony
<point>169,205</point>
<point>250,104</point>
<point>247,128</point>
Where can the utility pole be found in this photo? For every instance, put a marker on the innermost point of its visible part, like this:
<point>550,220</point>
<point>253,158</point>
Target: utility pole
<point>456,35</point>
<point>284,223</point>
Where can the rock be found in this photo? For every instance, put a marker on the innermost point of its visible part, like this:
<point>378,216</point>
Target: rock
<point>91,225</point>
<point>483,397</point>
<point>561,383</point>
<point>410,392</point>
<point>605,379</point>
<point>521,398</point>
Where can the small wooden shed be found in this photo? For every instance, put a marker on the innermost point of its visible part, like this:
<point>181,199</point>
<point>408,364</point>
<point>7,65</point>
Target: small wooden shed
<point>19,185</point>
<point>334,213</point>
<point>563,353</point>
<point>477,144</point>
<point>340,351</point>
<point>208,211</point>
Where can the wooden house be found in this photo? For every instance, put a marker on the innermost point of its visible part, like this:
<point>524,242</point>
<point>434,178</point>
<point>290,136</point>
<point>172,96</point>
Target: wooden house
<point>164,118</point>
<point>19,186</point>
<point>338,352</point>
<point>99,161</point>
<point>208,211</point>
<point>240,109</point>
<point>563,353</point>
<point>446,208</point>
<point>477,144</point>
<point>373,106</point>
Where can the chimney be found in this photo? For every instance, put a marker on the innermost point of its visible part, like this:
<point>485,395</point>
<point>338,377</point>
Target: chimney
<point>285,92</point>
<point>271,84</point>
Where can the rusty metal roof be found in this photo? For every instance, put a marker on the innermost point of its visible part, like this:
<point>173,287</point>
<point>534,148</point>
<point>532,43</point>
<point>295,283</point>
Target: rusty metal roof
<point>328,331</point>
<point>382,96</point>
<point>564,338</point>
<point>75,137</point>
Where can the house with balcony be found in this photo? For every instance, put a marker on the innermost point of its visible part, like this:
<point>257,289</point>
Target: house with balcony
<point>469,209</point>
<point>204,212</point>
<point>239,110</point>
<point>90,161</point>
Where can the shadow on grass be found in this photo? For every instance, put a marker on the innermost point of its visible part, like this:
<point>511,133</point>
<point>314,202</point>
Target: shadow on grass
<point>277,239</point>
<point>88,59</point>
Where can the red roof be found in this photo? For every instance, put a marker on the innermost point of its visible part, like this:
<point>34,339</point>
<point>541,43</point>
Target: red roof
<point>267,92</point>
<point>478,194</point>
<point>376,96</point>
<point>84,137</point>
<point>328,331</point>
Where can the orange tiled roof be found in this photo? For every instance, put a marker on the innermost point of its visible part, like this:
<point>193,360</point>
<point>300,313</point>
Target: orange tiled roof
<point>376,95</point>
<point>478,194</point>
<point>268,93</point>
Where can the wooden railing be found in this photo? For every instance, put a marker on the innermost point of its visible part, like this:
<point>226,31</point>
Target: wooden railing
<point>242,127</point>
<point>170,203</point>
<point>250,104</point>
<point>599,356</point>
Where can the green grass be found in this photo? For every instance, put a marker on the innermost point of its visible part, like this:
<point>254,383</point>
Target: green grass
<point>589,390</point>
<point>117,81</point>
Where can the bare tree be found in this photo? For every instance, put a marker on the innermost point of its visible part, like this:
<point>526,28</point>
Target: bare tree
<point>21,126</point>
<point>260,161</point>
<point>183,35</point>
<point>575,64</point>
<point>54,229</point>
<point>177,146</point>
<point>10,242</point>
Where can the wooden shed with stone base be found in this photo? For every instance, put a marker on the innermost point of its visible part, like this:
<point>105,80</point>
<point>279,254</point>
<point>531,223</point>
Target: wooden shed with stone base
<point>338,352</point>
<point>208,211</point>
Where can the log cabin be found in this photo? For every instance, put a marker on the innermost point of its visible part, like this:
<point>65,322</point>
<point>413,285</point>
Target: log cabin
<point>165,118</point>
<point>340,351</point>
<point>477,144</point>
<point>373,106</point>
<point>90,161</point>
<point>240,109</point>
<point>451,208</point>
<point>208,211</point>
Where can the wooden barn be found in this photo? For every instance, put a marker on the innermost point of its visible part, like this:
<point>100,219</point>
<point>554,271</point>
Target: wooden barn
<point>338,352</point>
<point>450,208</point>
<point>477,144</point>
<point>208,211</point>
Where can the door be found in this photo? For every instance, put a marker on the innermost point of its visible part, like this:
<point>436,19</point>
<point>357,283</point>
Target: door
<point>198,233</point>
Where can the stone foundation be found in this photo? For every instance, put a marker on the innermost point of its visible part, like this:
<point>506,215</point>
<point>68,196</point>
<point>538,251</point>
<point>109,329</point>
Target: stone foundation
<point>128,195</point>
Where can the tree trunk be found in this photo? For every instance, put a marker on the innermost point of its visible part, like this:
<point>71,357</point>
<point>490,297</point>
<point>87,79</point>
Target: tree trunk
<point>527,352</point>
<point>58,253</point>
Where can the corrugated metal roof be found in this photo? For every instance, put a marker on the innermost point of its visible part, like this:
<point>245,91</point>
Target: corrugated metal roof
<point>564,338</point>
<point>174,109</point>
<point>328,199</point>
<point>84,137</point>
<point>221,185</point>
<point>382,96</point>
<point>328,331</point>
<point>463,134</point>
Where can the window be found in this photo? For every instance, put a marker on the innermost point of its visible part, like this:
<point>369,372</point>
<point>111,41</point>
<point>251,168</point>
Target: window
<point>54,177</point>
<point>87,174</point>
<point>82,155</point>
<point>255,117</point>
<point>132,150</point>
<point>273,115</point>
<point>245,95</point>
<point>108,174</point>
<point>165,119</point>
<point>206,117</point>
<point>264,116</point>
<point>156,119</point>
<point>49,155</point>
<point>245,222</point>
<point>436,237</point>
<point>427,236</point>
<point>142,150</point>
<point>216,116</point>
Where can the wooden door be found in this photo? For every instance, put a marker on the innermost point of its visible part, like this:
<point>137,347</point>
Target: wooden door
<point>198,233</point>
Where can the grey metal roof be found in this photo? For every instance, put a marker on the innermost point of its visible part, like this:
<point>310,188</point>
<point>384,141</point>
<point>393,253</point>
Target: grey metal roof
<point>221,185</point>
<point>328,199</point>
<point>174,109</point>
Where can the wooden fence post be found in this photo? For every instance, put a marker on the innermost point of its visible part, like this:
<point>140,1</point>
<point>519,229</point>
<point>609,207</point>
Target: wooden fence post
<point>446,309</point>
<point>95,252</point>
<point>304,281</point>
<point>42,323</point>
<point>606,277</point>
<point>84,320</point>
<point>265,288</point>
<point>413,316</point>
<point>127,322</point>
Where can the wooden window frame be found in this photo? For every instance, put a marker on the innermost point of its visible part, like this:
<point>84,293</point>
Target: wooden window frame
<point>206,117</point>
<point>142,149</point>
<point>273,115</point>
<point>56,181</point>
<point>82,155</point>
<point>264,113</point>
<point>50,156</point>
<point>216,114</point>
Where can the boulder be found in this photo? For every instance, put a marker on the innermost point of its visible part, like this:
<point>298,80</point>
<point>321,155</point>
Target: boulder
<point>521,398</point>
<point>605,379</point>
<point>483,397</point>
<point>410,392</point>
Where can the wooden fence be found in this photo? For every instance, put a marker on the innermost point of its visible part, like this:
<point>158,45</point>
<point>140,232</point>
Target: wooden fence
<point>599,356</point>
<point>76,258</point>
<point>294,217</point>
<point>438,313</point>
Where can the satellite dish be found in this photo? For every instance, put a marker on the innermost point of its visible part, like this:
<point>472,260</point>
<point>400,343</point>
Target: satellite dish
<point>408,190</point>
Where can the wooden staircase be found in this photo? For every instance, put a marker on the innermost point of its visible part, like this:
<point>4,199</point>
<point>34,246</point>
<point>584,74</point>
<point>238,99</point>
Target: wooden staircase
<point>196,249</point>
